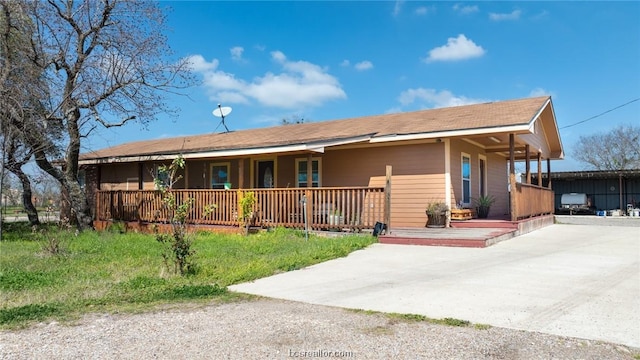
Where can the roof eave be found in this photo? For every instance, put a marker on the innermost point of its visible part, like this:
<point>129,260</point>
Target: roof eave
<point>452,133</point>
<point>314,147</point>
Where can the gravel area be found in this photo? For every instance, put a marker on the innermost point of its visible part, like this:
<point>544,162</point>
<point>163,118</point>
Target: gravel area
<point>276,329</point>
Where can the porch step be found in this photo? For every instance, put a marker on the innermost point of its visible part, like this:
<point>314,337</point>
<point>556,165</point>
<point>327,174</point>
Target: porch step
<point>484,224</point>
<point>472,238</point>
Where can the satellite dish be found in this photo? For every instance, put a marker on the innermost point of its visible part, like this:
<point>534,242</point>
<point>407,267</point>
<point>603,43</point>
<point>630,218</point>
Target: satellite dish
<point>221,112</point>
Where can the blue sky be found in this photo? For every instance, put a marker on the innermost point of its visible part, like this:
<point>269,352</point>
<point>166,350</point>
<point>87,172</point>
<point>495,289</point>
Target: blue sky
<point>331,60</point>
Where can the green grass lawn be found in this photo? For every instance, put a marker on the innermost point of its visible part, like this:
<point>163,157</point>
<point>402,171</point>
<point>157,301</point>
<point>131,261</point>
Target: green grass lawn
<point>124,272</point>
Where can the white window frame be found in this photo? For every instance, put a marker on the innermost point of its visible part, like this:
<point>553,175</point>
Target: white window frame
<point>483,176</point>
<point>82,178</point>
<point>133,180</point>
<point>219,164</point>
<point>319,160</point>
<point>463,179</point>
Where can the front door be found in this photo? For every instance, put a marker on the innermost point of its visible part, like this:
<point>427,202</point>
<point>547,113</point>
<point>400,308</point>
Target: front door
<point>265,174</point>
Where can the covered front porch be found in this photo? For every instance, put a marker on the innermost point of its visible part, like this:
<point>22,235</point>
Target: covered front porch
<point>337,209</point>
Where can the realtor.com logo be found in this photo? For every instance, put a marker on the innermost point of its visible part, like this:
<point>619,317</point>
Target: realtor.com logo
<point>321,354</point>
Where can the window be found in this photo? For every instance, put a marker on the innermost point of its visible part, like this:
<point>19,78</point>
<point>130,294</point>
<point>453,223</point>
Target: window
<point>219,175</point>
<point>132,183</point>
<point>466,179</point>
<point>301,172</point>
<point>82,179</point>
<point>161,177</point>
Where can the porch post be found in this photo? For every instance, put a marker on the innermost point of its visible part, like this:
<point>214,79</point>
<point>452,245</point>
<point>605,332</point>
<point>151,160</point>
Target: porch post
<point>528,160</point>
<point>549,173</point>
<point>241,173</point>
<point>186,175</point>
<point>540,169</point>
<point>512,178</point>
<point>387,197</point>
<point>140,175</point>
<point>622,208</point>
<point>309,170</point>
<point>309,205</point>
<point>308,192</point>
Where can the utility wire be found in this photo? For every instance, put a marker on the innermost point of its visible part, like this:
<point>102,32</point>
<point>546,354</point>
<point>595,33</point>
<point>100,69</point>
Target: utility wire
<point>606,112</point>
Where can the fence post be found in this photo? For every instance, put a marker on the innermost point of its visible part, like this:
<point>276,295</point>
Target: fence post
<point>139,209</point>
<point>513,201</point>
<point>309,207</point>
<point>387,197</point>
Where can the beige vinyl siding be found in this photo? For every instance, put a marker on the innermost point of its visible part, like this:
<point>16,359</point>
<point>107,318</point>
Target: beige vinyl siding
<point>537,141</point>
<point>418,176</point>
<point>354,167</point>
<point>409,197</point>
<point>199,177</point>
<point>496,175</point>
<point>498,184</point>
<point>287,170</point>
<point>114,176</point>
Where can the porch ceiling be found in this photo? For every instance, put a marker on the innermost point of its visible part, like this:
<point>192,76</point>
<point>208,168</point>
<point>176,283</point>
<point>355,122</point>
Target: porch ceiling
<point>549,136</point>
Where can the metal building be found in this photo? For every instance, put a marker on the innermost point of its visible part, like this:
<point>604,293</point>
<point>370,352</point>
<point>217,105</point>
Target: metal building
<point>608,190</point>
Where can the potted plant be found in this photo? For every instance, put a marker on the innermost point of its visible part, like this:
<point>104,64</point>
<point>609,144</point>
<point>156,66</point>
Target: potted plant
<point>483,205</point>
<point>437,212</point>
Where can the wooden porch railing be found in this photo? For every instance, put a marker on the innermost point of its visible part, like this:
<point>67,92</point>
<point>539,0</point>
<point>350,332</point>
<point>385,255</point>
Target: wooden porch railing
<point>353,208</point>
<point>531,200</point>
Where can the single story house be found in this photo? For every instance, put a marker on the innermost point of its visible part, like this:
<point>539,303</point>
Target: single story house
<point>383,168</point>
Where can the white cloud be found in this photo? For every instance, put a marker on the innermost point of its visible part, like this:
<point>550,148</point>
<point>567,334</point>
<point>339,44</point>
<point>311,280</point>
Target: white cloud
<point>540,92</point>
<point>278,56</point>
<point>397,7</point>
<point>465,10</point>
<point>459,48</point>
<point>364,65</point>
<point>345,63</point>
<point>199,64</point>
<point>236,53</point>
<point>514,15</point>
<point>230,97</point>
<point>541,15</point>
<point>299,84</point>
<point>422,10</point>
<point>431,98</point>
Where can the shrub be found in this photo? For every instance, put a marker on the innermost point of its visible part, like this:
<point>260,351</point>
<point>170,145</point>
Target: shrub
<point>177,245</point>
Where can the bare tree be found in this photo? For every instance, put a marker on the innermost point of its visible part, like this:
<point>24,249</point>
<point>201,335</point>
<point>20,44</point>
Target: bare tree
<point>106,63</point>
<point>21,86</point>
<point>46,189</point>
<point>618,149</point>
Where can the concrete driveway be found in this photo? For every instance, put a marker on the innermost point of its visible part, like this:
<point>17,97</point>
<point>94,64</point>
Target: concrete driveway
<point>573,280</point>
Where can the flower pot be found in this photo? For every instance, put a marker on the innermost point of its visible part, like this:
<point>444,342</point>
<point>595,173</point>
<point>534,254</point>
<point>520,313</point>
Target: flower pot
<point>482,211</point>
<point>436,220</point>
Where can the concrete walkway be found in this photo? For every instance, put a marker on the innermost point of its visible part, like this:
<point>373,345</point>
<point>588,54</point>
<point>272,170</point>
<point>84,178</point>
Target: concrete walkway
<point>571,280</point>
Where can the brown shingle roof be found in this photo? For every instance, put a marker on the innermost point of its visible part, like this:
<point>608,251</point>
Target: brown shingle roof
<point>468,117</point>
